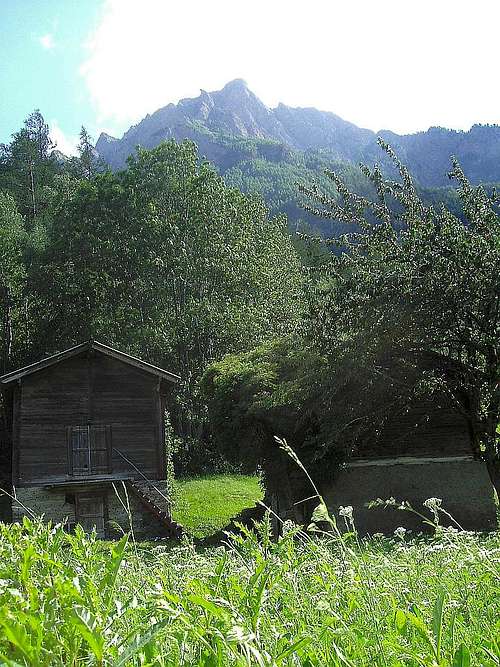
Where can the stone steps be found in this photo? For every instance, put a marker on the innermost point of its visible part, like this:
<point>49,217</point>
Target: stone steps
<point>156,502</point>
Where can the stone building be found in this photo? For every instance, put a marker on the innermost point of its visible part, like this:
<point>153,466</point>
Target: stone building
<point>83,441</point>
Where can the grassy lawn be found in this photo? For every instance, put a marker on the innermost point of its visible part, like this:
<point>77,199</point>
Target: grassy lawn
<point>205,505</point>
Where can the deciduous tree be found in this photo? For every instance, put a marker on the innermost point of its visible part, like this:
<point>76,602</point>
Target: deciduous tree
<point>421,286</point>
<point>12,279</point>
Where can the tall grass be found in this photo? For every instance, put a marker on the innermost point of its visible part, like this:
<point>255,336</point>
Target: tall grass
<point>72,600</point>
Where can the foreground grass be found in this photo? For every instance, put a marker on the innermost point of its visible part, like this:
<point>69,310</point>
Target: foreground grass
<point>205,505</point>
<point>70,600</point>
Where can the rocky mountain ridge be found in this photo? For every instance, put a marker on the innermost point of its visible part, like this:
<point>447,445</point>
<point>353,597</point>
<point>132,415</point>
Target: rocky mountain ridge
<point>218,120</point>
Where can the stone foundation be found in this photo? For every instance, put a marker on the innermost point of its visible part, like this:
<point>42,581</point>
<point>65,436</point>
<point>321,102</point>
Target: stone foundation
<point>145,525</point>
<point>462,483</point>
<point>58,505</point>
<point>51,505</point>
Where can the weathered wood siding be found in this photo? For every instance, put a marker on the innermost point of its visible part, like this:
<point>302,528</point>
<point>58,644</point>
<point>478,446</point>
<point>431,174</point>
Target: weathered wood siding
<point>5,471</point>
<point>126,398</point>
<point>91,389</point>
<point>422,430</point>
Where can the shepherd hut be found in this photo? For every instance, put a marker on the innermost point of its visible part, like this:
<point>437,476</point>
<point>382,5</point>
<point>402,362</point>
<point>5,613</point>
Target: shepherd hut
<point>83,441</point>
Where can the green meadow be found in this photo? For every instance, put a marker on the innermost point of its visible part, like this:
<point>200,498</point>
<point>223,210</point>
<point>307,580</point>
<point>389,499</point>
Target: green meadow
<point>204,505</point>
<point>299,600</point>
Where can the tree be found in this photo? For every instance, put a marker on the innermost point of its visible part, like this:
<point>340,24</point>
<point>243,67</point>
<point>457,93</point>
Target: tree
<point>280,387</point>
<point>229,275</point>
<point>87,164</point>
<point>420,288</point>
<point>167,262</point>
<point>12,278</point>
<point>326,406</point>
<point>27,166</point>
<point>38,132</point>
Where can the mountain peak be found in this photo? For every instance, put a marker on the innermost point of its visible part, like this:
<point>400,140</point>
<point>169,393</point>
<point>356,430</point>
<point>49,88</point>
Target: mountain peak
<point>234,112</point>
<point>104,136</point>
<point>236,93</point>
<point>236,84</point>
<point>104,142</point>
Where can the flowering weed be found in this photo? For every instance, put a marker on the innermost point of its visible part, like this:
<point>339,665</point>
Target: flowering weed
<point>392,602</point>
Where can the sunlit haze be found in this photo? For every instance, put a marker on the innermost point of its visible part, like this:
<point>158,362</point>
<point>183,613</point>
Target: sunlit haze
<point>382,64</point>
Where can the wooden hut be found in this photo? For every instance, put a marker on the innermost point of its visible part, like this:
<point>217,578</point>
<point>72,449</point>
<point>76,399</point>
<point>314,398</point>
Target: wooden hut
<point>424,451</point>
<point>84,440</point>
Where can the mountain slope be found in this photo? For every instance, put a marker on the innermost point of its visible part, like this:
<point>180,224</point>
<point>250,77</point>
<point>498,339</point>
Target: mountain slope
<point>267,151</point>
<point>235,112</point>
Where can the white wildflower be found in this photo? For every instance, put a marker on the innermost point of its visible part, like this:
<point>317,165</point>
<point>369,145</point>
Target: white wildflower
<point>346,512</point>
<point>400,532</point>
<point>433,503</point>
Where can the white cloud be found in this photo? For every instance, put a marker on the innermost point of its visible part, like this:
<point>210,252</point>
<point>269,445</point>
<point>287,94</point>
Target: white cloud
<point>47,41</point>
<point>379,63</point>
<point>65,143</point>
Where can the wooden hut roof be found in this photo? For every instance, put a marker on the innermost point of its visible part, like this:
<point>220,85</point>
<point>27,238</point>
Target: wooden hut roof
<point>85,347</point>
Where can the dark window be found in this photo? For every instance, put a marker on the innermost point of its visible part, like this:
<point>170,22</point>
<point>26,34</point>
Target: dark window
<point>89,449</point>
<point>91,513</point>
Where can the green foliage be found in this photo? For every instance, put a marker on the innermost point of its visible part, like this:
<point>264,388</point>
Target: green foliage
<point>70,600</point>
<point>326,405</point>
<point>206,505</point>
<point>407,312</point>
<point>162,260</point>
<point>28,167</point>
<point>87,163</point>
<point>277,181</point>
<point>415,296</point>
<point>198,266</point>
<point>275,388</point>
<point>273,171</point>
<point>13,241</point>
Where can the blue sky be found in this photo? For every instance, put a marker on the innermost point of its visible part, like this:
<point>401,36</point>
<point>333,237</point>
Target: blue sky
<point>41,50</point>
<point>384,64</point>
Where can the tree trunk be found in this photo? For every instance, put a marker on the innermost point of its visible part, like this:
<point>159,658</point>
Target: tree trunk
<point>492,460</point>
<point>7,328</point>
<point>32,190</point>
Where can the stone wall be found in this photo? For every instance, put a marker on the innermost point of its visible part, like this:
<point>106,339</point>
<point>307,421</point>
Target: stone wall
<point>51,504</point>
<point>56,505</point>
<point>462,483</point>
